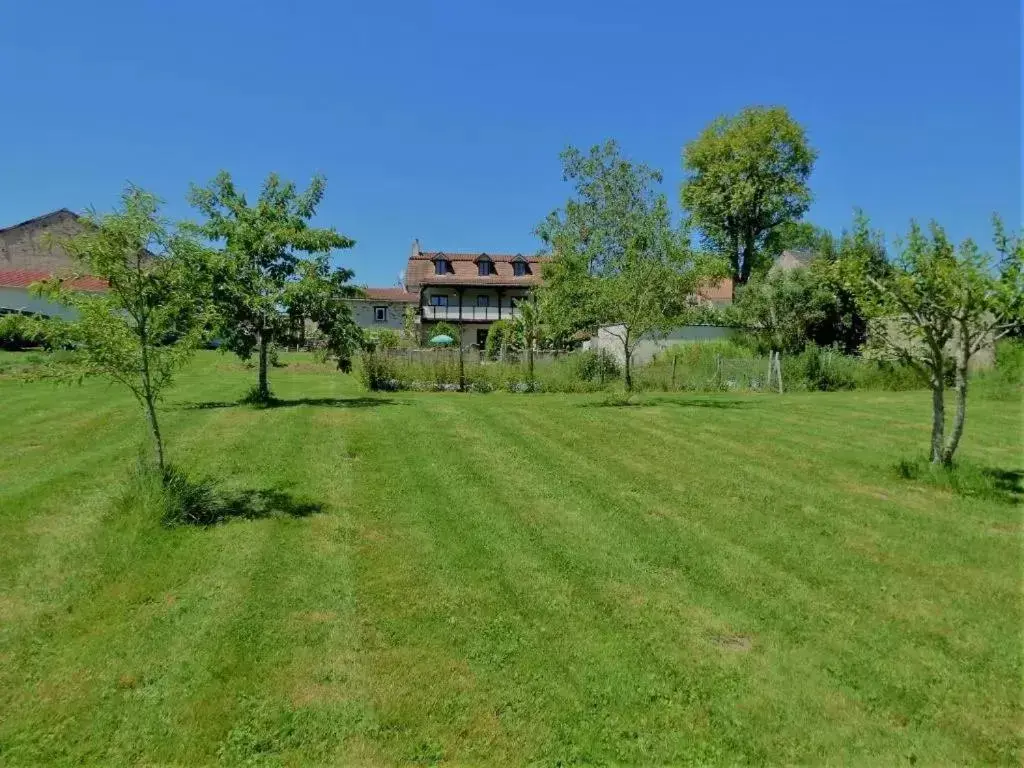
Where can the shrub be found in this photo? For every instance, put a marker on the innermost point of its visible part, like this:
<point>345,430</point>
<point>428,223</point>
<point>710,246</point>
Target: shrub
<point>595,365</point>
<point>23,331</point>
<point>501,337</point>
<point>377,372</point>
<point>688,367</point>
<point>381,338</point>
<point>692,366</point>
<point>821,369</point>
<point>887,375</point>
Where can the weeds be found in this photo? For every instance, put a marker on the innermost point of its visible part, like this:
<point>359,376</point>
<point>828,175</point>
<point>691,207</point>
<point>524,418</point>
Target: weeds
<point>965,479</point>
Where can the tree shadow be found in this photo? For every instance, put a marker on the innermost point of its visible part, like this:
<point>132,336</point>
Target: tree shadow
<point>680,402</point>
<point>198,503</point>
<point>322,402</point>
<point>1007,482</point>
<point>257,503</point>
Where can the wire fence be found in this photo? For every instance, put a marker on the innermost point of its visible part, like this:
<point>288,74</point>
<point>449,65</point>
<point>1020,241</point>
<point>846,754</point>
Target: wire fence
<point>756,374</point>
<point>431,355</point>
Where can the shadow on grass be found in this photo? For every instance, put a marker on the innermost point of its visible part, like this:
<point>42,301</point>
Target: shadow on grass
<point>968,480</point>
<point>681,402</point>
<point>1007,481</point>
<point>198,502</point>
<point>253,504</point>
<point>323,402</point>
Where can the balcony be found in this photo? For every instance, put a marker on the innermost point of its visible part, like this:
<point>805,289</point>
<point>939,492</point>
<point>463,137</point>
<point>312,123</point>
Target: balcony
<point>469,314</point>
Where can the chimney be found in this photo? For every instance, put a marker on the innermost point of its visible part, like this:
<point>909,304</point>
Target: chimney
<point>415,248</point>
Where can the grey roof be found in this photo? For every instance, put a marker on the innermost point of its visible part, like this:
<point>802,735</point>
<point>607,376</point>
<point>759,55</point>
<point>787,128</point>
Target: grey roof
<point>803,258</point>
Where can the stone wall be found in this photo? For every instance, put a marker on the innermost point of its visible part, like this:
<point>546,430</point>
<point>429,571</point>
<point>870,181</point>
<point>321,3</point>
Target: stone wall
<point>26,246</point>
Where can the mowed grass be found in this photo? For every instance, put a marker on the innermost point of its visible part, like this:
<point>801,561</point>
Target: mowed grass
<point>495,579</point>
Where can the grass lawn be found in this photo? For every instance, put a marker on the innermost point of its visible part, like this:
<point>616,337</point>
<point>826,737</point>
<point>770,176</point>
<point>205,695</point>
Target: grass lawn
<point>491,579</point>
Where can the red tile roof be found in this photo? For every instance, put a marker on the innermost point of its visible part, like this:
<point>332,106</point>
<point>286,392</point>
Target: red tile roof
<point>420,270</point>
<point>23,278</point>
<point>431,255</point>
<point>391,294</point>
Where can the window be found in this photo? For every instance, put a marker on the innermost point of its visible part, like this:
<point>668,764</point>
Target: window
<point>442,267</point>
<point>483,267</point>
<point>481,337</point>
<point>483,301</point>
<point>439,301</point>
<point>513,301</point>
<point>380,314</point>
<point>519,269</point>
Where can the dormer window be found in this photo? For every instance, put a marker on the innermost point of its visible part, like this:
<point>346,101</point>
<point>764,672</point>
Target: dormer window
<point>442,266</point>
<point>484,265</point>
<point>520,267</point>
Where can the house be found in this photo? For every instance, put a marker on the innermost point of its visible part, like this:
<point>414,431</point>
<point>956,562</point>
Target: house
<point>30,252</point>
<point>382,308</point>
<point>471,290</point>
<point>788,260</point>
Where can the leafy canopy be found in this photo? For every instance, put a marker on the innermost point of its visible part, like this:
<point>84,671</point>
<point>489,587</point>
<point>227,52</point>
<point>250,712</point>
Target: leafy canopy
<point>154,312</point>
<point>274,266</point>
<point>747,176</point>
<point>783,309</point>
<point>787,309</point>
<point>617,259</point>
<point>939,305</point>
<point>502,338</point>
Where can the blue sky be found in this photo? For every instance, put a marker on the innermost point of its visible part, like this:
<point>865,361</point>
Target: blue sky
<point>445,120</point>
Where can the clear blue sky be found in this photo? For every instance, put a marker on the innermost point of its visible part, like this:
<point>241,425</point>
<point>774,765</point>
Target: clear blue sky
<point>444,120</point>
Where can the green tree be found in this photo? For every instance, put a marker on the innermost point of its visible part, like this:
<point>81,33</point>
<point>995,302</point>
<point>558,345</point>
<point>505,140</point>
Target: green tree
<point>382,338</point>
<point>782,310</point>
<point>746,177</point>
<point>617,260</point>
<point>845,325</point>
<point>261,262</point>
<point>785,310</point>
<point>501,338</point>
<point>791,236</point>
<point>318,293</point>
<point>410,328</point>
<point>153,314</point>
<point>937,307</point>
<point>528,326</point>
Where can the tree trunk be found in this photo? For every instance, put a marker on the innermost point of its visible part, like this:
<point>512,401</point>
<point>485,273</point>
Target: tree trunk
<point>735,255</point>
<point>263,388</point>
<point>627,370</point>
<point>154,429</point>
<point>748,257</point>
<point>529,362</point>
<point>938,419</point>
<point>462,361</point>
<point>149,401</point>
<point>959,416</point>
